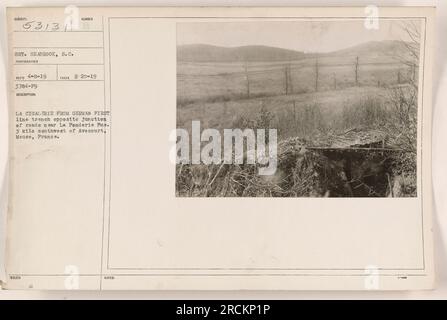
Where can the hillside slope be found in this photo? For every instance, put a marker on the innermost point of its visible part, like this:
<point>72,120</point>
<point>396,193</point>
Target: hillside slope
<point>209,53</point>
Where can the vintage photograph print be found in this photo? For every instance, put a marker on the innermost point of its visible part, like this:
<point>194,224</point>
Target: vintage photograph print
<point>298,108</point>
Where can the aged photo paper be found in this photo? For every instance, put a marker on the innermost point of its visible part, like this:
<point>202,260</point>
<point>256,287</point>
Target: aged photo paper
<point>220,148</point>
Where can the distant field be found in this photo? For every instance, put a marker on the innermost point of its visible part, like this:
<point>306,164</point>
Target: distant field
<point>224,81</point>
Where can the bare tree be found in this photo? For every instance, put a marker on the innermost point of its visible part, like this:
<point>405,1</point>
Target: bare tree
<point>413,31</point>
<point>412,43</point>
<point>402,119</point>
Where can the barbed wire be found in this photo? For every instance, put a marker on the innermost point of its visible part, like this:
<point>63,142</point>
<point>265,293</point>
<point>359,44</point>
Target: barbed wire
<point>281,68</point>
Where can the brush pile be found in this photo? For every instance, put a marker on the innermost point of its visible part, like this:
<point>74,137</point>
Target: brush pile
<point>355,163</point>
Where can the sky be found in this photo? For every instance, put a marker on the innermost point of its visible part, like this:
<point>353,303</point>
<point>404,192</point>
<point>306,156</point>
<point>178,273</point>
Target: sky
<point>307,36</point>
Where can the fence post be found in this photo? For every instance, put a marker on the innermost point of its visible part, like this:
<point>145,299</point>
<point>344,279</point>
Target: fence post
<point>290,79</point>
<point>316,74</point>
<point>247,79</point>
<point>357,71</point>
<point>225,110</point>
<point>287,79</point>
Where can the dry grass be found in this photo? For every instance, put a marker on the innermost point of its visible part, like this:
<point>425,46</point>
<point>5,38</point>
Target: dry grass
<point>302,118</point>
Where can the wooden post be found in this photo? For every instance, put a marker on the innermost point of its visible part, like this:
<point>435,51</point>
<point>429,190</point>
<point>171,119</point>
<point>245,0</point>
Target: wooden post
<point>286,78</point>
<point>225,110</point>
<point>247,79</point>
<point>289,81</point>
<point>335,81</point>
<point>316,74</point>
<point>357,71</point>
